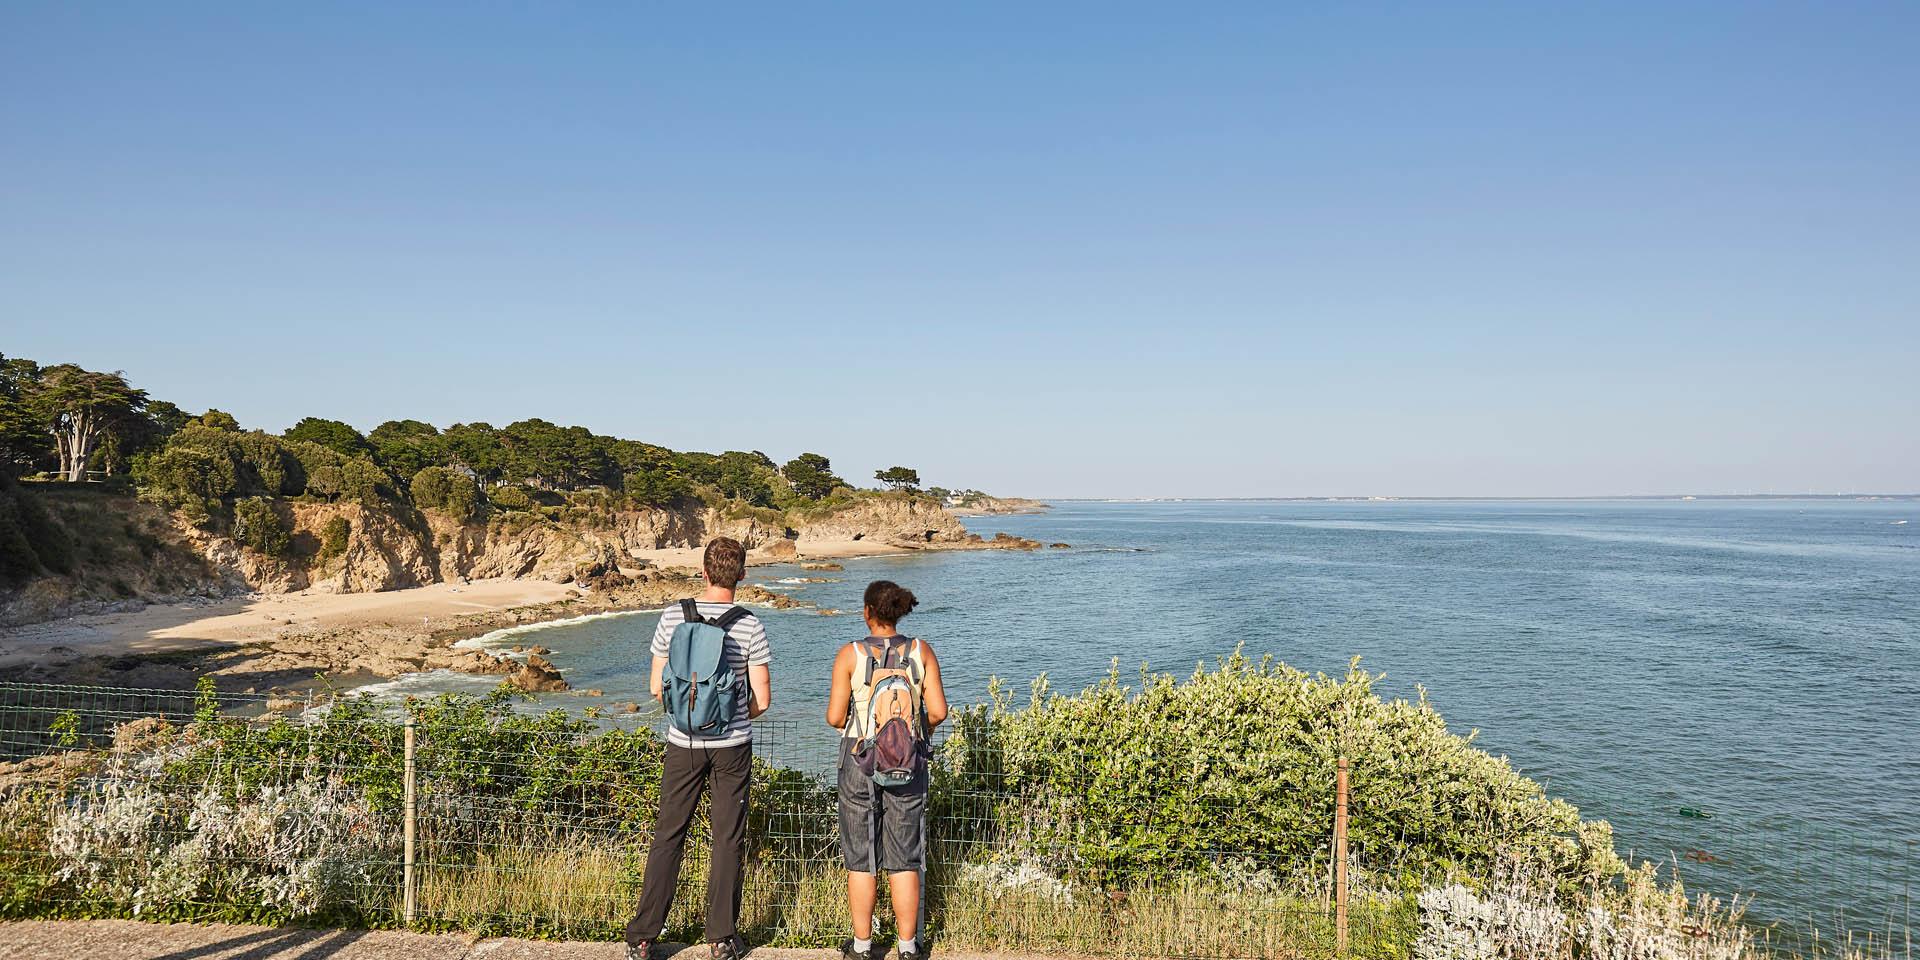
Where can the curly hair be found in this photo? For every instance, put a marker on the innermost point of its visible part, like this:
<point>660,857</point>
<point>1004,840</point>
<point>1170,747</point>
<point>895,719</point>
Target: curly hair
<point>888,602</point>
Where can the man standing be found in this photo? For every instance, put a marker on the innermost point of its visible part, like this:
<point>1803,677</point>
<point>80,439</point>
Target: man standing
<point>720,761</point>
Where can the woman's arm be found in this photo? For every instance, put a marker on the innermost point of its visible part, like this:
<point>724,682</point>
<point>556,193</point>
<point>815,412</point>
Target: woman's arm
<point>840,698</point>
<point>933,697</point>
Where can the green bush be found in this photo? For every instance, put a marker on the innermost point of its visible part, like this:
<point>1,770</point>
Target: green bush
<point>333,537</point>
<point>258,525</point>
<point>448,491</point>
<point>511,498</point>
<point>1241,759</point>
<point>333,477</point>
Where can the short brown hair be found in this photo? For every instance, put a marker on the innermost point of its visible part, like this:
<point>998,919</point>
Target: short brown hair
<point>889,602</point>
<point>725,562</point>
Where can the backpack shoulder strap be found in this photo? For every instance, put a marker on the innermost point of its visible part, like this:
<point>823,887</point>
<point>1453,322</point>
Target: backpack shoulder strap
<point>732,616</point>
<point>690,611</point>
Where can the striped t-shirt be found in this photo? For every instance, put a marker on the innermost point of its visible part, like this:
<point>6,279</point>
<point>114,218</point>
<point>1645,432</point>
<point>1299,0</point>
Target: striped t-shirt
<point>746,644</point>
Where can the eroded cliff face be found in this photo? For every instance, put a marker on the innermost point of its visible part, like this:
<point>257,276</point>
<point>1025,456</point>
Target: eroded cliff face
<point>896,522</point>
<point>388,551</point>
<point>391,549</point>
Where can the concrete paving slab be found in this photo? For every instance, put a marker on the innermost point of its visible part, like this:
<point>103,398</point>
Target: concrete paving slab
<point>131,940</point>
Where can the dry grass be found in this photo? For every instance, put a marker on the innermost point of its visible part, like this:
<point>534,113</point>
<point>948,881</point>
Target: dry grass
<point>589,892</point>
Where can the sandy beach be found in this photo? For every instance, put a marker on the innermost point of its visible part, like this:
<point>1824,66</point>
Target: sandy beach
<point>258,619</point>
<point>283,642</point>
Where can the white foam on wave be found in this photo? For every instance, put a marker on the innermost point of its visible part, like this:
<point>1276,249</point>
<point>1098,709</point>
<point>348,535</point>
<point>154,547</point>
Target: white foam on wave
<point>497,638</point>
<point>429,682</point>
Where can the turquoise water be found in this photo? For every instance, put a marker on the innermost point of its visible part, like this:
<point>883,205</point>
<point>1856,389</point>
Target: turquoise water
<point>1758,661</point>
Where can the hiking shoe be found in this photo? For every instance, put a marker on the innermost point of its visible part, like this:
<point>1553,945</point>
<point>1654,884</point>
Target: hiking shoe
<point>917,953</point>
<point>732,948</point>
<point>640,951</point>
<point>847,952</point>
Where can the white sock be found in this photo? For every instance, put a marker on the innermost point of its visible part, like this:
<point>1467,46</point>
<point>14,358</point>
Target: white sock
<point>907,945</point>
<point>861,946</point>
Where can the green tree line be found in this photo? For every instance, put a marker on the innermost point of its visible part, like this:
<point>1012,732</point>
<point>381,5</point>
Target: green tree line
<point>65,423</point>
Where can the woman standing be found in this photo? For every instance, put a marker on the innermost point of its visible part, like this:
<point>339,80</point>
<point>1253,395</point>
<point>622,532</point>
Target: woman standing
<point>886,700</point>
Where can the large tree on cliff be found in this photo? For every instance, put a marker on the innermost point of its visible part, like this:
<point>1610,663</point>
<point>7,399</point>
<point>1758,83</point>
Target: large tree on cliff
<point>899,478</point>
<point>80,408</point>
<point>811,475</point>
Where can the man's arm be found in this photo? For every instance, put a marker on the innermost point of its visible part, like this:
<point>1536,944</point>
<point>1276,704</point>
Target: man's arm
<point>760,679</point>
<point>662,636</point>
<point>759,674</point>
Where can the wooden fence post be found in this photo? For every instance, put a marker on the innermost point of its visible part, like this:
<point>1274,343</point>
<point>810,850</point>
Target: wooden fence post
<point>407,861</point>
<point>1340,857</point>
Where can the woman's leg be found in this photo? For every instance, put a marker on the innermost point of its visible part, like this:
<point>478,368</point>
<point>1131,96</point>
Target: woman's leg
<point>857,810</point>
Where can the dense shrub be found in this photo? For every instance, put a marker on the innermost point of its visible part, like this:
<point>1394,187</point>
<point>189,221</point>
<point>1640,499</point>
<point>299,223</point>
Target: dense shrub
<point>333,477</point>
<point>202,469</point>
<point>282,819</point>
<point>1241,758</point>
<point>333,537</point>
<point>511,498</point>
<point>448,491</point>
<point>258,525</point>
<point>188,477</point>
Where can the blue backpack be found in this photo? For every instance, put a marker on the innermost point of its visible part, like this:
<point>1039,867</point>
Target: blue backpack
<point>700,684</point>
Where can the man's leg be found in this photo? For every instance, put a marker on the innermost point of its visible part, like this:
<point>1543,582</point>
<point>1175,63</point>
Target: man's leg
<point>680,782</point>
<point>732,774</point>
<point>863,889</point>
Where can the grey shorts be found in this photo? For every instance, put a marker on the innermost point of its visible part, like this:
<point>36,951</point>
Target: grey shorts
<point>890,821</point>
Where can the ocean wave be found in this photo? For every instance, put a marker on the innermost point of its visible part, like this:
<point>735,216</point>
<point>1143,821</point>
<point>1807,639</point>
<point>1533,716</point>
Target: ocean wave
<point>493,640</point>
<point>429,682</point>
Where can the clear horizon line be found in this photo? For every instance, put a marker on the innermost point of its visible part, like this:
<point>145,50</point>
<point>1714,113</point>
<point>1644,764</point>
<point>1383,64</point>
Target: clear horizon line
<point>1375,498</point>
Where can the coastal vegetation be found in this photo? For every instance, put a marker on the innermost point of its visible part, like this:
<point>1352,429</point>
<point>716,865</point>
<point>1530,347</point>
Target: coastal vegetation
<point>405,503</point>
<point>1168,817</point>
<point>69,423</point>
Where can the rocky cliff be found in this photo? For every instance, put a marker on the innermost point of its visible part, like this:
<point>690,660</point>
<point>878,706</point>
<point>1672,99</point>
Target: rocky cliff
<point>389,549</point>
<point>895,521</point>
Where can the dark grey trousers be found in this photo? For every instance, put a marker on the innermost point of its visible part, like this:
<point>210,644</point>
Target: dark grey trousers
<point>725,772</point>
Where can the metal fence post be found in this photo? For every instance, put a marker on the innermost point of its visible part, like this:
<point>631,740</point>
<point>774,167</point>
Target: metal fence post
<point>1340,856</point>
<point>407,862</point>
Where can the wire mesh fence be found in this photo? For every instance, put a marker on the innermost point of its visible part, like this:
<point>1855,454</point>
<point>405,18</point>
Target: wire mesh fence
<point>174,805</point>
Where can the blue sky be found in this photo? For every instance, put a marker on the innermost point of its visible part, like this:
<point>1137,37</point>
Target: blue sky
<point>1086,250</point>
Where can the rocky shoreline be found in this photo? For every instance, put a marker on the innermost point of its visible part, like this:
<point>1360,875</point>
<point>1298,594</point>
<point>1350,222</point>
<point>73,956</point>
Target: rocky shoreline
<point>298,656</point>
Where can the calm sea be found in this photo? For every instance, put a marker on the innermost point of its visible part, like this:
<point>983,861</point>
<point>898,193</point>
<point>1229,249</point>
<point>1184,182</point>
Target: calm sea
<point>1754,662</point>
